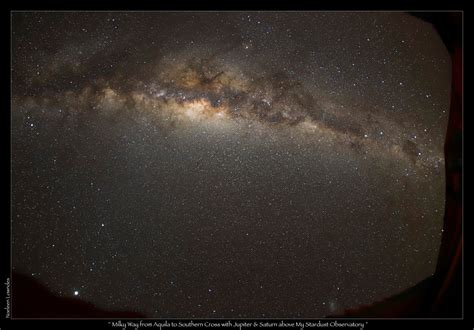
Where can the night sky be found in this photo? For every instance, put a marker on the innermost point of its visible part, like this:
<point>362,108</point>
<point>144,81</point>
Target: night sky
<point>245,164</point>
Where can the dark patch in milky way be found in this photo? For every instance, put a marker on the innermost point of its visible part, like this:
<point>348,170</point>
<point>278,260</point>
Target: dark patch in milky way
<point>411,149</point>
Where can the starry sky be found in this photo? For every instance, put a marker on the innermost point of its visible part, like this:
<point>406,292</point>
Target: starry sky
<point>227,164</point>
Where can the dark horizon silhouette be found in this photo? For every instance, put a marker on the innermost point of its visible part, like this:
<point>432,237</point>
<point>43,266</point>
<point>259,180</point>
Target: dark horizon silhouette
<point>32,299</point>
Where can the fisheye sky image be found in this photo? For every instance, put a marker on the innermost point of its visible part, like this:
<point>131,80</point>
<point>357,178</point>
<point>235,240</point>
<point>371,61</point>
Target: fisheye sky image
<point>227,164</point>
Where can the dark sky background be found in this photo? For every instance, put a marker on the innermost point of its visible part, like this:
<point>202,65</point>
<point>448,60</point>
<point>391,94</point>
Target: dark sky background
<point>227,164</point>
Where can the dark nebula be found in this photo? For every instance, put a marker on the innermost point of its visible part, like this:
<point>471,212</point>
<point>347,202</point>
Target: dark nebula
<point>220,164</point>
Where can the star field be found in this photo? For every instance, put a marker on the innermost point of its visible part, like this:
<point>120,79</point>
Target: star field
<point>227,164</point>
